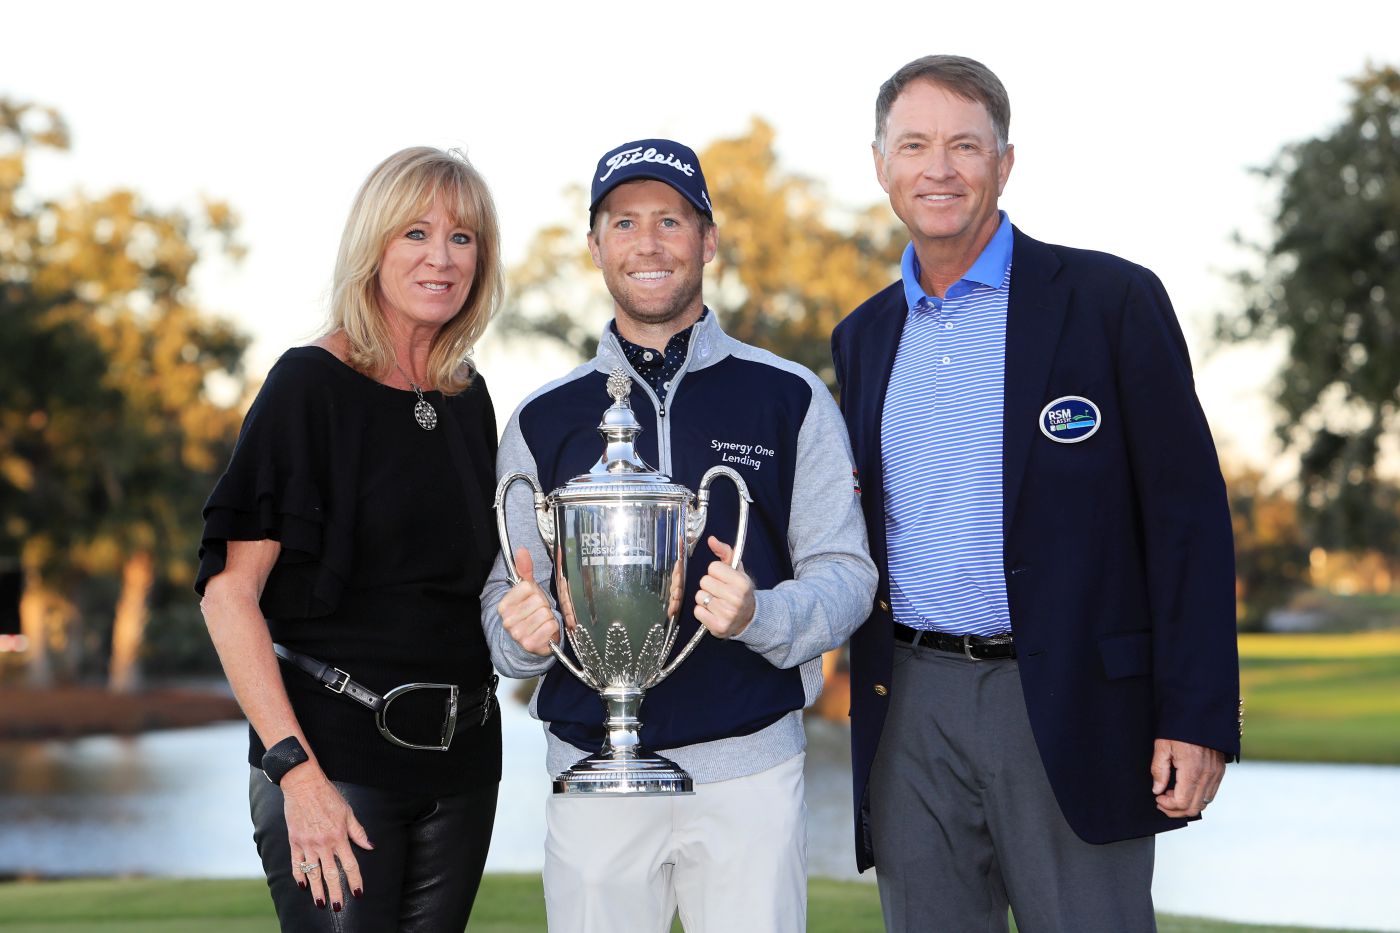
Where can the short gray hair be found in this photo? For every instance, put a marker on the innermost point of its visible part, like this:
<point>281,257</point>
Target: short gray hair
<point>965,77</point>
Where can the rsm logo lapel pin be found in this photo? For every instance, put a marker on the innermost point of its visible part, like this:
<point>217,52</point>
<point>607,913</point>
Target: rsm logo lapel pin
<point>1069,419</point>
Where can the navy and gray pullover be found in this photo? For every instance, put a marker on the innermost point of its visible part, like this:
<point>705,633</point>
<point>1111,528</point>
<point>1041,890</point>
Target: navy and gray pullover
<point>734,707</point>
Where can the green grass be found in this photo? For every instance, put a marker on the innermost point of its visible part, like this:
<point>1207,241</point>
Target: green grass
<point>507,904</point>
<point>115,905</point>
<point>1322,697</point>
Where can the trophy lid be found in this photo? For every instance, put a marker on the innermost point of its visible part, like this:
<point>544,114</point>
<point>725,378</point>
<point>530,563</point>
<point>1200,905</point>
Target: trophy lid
<point>621,469</point>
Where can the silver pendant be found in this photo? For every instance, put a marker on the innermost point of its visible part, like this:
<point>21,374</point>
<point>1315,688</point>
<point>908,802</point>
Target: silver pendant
<point>425,414</point>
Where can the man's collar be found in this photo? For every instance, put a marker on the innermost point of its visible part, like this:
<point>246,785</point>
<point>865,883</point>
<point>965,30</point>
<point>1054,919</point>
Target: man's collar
<point>682,335</point>
<point>708,344</point>
<point>989,269</point>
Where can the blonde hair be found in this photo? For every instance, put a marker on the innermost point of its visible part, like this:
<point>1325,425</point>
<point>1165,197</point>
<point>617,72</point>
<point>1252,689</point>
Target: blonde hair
<point>396,193</point>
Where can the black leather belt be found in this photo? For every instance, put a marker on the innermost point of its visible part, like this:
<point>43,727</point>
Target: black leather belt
<point>977,647</point>
<point>481,703</point>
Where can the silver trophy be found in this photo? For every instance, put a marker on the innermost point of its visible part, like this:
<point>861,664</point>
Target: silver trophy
<point>619,536</point>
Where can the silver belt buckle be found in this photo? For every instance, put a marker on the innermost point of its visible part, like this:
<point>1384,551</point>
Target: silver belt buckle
<point>992,641</point>
<point>449,724</point>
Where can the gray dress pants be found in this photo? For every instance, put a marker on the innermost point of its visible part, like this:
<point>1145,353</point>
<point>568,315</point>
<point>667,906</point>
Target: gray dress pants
<point>964,822</point>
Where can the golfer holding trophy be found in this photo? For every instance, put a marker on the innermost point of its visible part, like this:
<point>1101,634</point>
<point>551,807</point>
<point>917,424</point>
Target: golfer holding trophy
<point>673,709</point>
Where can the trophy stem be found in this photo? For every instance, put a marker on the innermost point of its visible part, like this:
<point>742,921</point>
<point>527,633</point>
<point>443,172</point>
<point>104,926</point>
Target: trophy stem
<point>622,766</point>
<point>622,728</point>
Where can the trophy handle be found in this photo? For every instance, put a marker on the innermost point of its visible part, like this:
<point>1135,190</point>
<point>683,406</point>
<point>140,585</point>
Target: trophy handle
<point>545,522</point>
<point>694,524</point>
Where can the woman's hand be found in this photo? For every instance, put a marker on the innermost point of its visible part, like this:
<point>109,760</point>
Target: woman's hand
<point>320,830</point>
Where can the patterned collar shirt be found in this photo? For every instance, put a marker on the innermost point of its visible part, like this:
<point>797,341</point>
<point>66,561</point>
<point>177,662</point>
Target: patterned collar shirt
<point>941,442</point>
<point>658,367</point>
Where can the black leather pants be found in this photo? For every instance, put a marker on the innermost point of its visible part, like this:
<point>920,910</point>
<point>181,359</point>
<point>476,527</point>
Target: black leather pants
<point>421,876</point>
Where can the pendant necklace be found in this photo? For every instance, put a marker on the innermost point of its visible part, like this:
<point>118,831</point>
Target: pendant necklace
<point>423,413</point>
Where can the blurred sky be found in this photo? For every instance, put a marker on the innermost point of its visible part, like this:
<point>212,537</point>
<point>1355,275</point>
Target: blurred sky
<point>1134,125</point>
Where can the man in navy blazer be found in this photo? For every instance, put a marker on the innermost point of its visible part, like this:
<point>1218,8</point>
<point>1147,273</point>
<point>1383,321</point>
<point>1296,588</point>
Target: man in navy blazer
<point>1049,673</point>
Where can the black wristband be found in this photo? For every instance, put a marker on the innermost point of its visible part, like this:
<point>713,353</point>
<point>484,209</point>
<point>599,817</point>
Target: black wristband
<point>283,757</point>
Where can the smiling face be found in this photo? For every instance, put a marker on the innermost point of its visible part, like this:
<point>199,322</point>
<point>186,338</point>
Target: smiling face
<point>942,170</point>
<point>652,246</point>
<point>426,272</point>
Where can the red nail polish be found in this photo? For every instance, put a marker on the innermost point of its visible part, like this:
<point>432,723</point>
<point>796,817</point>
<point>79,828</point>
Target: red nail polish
<point>336,906</point>
<point>320,904</point>
<point>358,892</point>
<point>301,883</point>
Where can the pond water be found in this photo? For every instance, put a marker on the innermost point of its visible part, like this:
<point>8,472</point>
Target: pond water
<point>1284,843</point>
<point>175,803</point>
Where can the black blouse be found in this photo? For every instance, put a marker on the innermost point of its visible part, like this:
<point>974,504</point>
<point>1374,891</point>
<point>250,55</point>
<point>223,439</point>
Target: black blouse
<point>387,537</point>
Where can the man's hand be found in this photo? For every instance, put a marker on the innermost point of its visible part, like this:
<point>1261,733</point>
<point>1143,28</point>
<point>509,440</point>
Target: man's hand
<point>1199,771</point>
<point>724,603</point>
<point>525,611</point>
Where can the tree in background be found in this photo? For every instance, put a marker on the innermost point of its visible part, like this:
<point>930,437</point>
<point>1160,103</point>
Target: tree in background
<point>789,267</point>
<point>1271,558</point>
<point>787,270</point>
<point>1329,286</point>
<point>109,438</point>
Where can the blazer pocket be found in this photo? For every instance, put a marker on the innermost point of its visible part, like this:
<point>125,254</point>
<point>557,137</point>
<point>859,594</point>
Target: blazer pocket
<point>1126,655</point>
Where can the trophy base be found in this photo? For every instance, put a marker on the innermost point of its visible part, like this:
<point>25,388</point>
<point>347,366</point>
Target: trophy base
<point>644,775</point>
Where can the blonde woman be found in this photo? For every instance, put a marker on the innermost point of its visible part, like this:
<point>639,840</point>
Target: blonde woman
<point>343,557</point>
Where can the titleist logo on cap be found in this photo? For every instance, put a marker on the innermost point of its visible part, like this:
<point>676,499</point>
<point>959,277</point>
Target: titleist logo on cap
<point>663,160</point>
<point>636,154</point>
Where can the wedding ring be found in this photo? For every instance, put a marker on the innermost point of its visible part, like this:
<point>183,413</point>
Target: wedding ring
<point>705,600</point>
<point>307,868</point>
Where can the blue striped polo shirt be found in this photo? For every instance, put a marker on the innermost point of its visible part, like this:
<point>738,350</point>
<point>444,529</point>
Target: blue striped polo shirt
<point>941,439</point>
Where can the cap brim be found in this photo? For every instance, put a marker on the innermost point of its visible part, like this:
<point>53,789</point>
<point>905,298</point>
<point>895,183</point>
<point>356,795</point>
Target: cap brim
<point>644,175</point>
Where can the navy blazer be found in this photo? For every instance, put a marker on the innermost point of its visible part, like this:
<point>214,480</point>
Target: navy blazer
<point>1118,550</point>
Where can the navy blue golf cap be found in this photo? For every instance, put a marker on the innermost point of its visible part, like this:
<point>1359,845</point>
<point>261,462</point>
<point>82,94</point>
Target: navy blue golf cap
<point>658,159</point>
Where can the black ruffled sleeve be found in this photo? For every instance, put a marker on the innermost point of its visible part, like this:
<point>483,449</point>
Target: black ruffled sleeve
<point>292,457</point>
